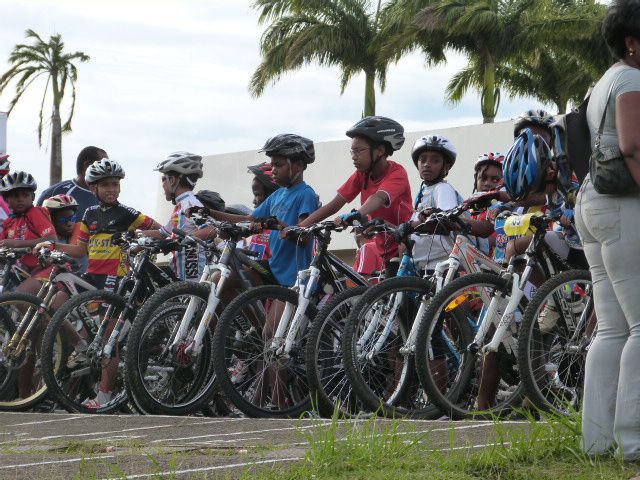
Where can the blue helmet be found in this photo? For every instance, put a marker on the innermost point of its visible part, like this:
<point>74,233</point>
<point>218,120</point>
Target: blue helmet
<point>525,164</point>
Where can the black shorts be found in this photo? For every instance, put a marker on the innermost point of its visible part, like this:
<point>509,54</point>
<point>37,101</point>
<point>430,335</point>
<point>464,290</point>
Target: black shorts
<point>103,282</point>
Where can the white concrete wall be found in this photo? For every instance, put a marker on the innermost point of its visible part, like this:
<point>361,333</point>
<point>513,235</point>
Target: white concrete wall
<point>227,173</point>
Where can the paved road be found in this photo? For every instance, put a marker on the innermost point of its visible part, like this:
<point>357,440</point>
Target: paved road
<point>65,446</point>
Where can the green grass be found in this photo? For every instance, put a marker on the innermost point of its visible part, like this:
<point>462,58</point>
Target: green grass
<point>543,450</point>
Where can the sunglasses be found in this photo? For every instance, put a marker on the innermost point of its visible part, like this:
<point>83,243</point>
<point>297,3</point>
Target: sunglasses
<point>65,220</point>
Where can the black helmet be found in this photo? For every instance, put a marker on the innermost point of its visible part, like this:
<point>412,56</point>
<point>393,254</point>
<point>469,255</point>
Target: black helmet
<point>290,145</point>
<point>211,200</point>
<point>379,130</point>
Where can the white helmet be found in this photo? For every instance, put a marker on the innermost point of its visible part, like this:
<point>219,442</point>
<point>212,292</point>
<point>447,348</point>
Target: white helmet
<point>184,163</point>
<point>16,180</point>
<point>101,169</point>
<point>435,143</point>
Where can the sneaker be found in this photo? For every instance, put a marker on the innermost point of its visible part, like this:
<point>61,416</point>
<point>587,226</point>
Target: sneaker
<point>99,401</point>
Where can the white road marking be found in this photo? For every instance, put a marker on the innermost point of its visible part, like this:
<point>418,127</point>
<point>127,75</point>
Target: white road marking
<point>93,434</point>
<point>46,421</point>
<point>52,462</point>
<point>239,433</point>
<point>208,469</point>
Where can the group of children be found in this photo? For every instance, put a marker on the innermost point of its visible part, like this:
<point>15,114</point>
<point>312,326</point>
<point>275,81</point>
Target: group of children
<point>526,177</point>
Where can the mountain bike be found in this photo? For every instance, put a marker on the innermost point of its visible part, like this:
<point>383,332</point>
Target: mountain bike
<point>23,318</point>
<point>12,273</point>
<point>380,333</point>
<point>486,382</point>
<point>260,339</point>
<point>104,319</point>
<point>169,363</point>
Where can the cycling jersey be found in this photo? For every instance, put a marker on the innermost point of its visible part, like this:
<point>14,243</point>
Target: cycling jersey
<point>33,224</point>
<point>189,262</point>
<point>97,229</point>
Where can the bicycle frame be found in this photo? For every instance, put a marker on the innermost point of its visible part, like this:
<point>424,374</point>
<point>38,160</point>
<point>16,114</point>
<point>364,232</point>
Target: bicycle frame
<point>536,254</point>
<point>293,321</point>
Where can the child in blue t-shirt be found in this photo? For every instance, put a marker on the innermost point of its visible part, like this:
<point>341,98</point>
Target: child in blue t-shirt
<point>291,203</point>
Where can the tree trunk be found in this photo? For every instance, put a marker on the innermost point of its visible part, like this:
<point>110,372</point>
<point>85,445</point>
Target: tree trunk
<point>369,94</point>
<point>488,99</point>
<point>562,107</point>
<point>55,167</point>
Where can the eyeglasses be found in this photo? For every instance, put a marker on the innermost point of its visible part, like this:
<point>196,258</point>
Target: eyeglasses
<point>358,151</point>
<point>65,220</point>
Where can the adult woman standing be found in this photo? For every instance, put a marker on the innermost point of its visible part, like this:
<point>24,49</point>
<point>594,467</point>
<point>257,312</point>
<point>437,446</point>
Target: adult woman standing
<point>609,227</point>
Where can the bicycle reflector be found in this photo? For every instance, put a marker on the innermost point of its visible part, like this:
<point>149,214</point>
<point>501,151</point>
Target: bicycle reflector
<point>456,302</point>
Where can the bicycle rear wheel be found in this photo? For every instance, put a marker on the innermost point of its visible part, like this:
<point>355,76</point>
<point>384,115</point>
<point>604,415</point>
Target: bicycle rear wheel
<point>164,378</point>
<point>80,376</point>
<point>463,383</point>
<point>379,363</point>
<point>557,329</point>
<point>21,378</point>
<point>254,373</point>
<point>330,389</point>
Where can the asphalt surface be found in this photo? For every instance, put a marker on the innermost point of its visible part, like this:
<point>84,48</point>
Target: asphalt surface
<point>73,446</point>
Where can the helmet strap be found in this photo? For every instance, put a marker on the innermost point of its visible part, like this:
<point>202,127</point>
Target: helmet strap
<point>293,179</point>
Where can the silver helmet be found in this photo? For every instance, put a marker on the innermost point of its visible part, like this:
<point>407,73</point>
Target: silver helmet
<point>101,169</point>
<point>184,163</point>
<point>16,180</point>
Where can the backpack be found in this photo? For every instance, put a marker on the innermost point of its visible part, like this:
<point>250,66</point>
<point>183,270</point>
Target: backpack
<point>577,139</point>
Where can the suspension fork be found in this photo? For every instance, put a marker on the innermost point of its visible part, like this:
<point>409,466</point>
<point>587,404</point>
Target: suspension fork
<point>181,329</point>
<point>108,349</point>
<point>299,320</point>
<point>15,338</point>
<point>279,337</point>
<point>386,331</point>
<point>42,308</point>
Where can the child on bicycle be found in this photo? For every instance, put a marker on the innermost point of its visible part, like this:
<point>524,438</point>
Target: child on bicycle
<point>383,185</point>
<point>262,186</point>
<point>181,171</point>
<point>62,209</point>
<point>433,156</point>
<point>27,226</point>
<point>291,203</point>
<point>108,262</point>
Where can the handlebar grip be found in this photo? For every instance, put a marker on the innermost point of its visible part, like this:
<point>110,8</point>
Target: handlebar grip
<point>179,232</point>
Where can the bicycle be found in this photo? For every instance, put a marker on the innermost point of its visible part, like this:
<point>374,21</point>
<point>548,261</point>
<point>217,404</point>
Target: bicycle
<point>169,366</point>
<point>104,320</point>
<point>12,273</point>
<point>22,319</point>
<point>381,330</point>
<point>260,339</point>
<point>494,305</point>
<point>557,330</point>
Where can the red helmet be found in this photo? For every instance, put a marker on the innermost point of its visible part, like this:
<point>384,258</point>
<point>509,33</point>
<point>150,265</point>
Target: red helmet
<point>490,158</point>
<point>264,173</point>
<point>60,202</point>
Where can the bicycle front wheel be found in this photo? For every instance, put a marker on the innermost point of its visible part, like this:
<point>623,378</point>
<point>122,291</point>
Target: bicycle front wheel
<point>558,327</point>
<point>464,380</point>
<point>377,351</point>
<point>83,373</point>
<point>254,371</point>
<point>330,389</point>
<point>166,375</point>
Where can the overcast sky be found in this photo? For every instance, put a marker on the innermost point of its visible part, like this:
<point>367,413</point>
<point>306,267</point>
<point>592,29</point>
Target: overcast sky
<point>173,75</point>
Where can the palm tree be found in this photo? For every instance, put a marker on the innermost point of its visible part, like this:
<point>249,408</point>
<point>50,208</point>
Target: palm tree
<point>552,77</point>
<point>30,62</point>
<point>489,33</point>
<point>343,33</point>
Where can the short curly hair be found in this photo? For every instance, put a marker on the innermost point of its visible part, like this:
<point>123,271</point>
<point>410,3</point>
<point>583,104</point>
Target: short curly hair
<point>622,20</point>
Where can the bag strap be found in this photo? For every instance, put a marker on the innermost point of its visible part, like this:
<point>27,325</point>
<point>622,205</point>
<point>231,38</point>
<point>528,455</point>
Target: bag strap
<point>606,105</point>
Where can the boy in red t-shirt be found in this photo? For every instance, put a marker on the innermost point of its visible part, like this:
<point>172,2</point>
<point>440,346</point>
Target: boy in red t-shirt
<point>383,185</point>
<point>26,226</point>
